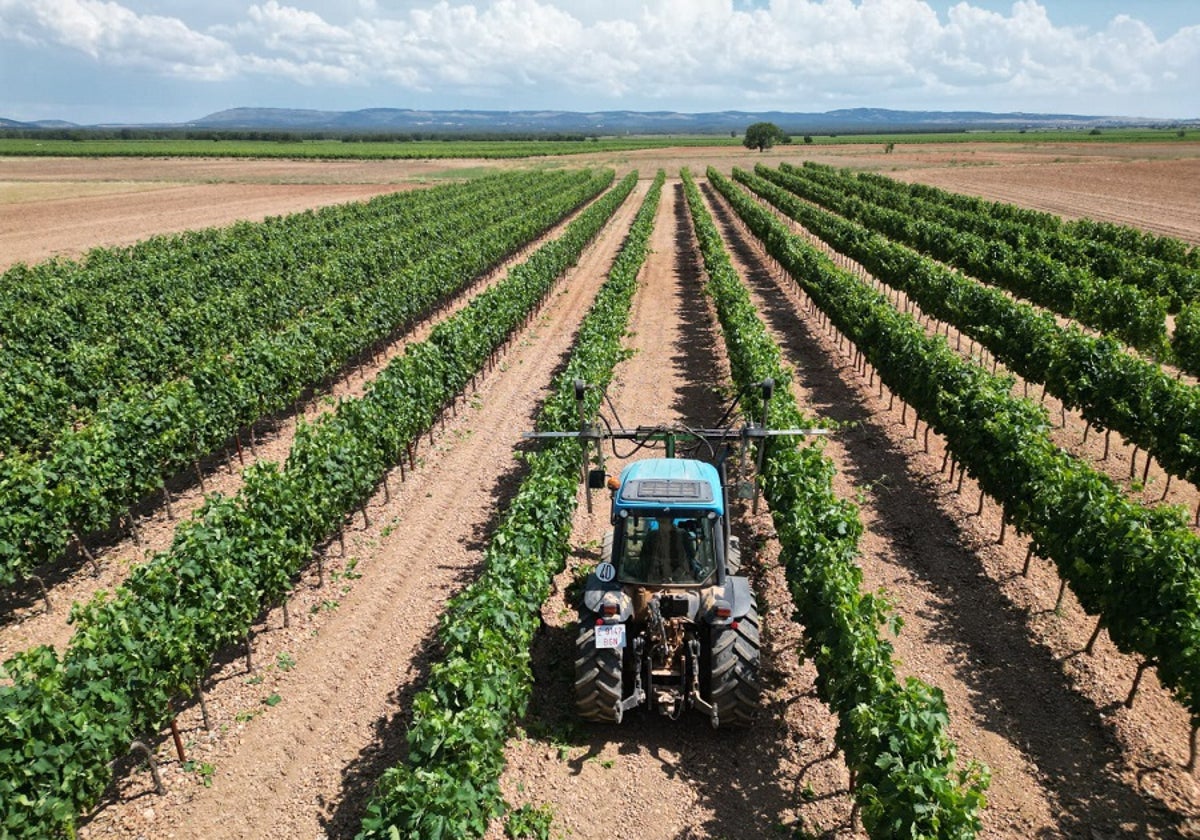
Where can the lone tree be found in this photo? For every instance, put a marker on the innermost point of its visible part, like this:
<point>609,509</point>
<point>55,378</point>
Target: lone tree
<point>762,136</point>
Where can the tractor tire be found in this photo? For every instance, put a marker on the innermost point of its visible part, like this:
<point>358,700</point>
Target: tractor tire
<point>733,681</point>
<point>599,680</point>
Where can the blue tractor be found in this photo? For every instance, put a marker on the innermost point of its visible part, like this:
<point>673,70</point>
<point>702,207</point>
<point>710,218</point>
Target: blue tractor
<point>665,620</point>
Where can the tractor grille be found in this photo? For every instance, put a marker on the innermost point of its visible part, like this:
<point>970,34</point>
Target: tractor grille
<point>667,491</point>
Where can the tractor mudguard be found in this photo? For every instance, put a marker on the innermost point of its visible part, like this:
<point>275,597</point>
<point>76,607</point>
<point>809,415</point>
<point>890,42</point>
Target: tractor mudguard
<point>739,595</point>
<point>596,592</point>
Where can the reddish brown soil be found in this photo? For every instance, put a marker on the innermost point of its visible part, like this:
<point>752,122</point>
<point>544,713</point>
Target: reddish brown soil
<point>34,231</point>
<point>1160,196</point>
<point>1067,758</point>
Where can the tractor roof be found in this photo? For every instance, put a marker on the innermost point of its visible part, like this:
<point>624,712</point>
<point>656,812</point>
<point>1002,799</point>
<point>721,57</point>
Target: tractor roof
<point>658,483</point>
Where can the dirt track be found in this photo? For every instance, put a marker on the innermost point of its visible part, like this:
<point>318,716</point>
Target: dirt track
<point>1067,759</point>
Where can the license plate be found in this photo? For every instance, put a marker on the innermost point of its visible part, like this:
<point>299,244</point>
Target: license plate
<point>610,636</point>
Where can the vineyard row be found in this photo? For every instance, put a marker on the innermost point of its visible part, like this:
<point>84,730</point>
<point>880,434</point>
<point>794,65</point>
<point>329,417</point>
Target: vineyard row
<point>154,639</point>
<point>95,474</point>
<point>892,733</point>
<point>1133,567</point>
<point>1111,387</point>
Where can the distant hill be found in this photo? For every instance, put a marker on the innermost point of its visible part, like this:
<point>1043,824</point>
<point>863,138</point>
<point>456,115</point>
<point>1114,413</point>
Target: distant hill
<point>36,124</point>
<point>854,120</point>
<point>408,121</point>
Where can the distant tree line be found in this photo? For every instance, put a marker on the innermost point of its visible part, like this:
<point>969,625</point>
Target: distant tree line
<point>286,135</point>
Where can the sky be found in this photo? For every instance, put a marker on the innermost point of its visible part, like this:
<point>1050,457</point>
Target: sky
<point>149,61</point>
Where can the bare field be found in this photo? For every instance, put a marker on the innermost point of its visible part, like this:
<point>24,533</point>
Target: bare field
<point>64,206</point>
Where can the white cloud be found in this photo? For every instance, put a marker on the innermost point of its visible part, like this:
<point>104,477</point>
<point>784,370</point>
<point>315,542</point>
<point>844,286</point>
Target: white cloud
<point>684,54</point>
<point>113,35</point>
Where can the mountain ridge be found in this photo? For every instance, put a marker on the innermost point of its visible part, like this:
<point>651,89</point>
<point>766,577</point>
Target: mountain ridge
<point>465,121</point>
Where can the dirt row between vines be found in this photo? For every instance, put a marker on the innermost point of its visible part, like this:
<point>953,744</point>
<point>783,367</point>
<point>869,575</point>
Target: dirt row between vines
<point>296,745</point>
<point>24,619</point>
<point>652,777</point>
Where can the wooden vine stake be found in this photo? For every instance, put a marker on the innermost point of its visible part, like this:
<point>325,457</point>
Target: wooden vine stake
<point>1062,593</point>
<point>167,499</point>
<point>1028,560</point>
<point>178,741</point>
<point>141,747</point>
<point>249,655</point>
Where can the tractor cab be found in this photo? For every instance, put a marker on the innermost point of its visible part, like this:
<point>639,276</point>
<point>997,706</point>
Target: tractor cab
<point>667,523</point>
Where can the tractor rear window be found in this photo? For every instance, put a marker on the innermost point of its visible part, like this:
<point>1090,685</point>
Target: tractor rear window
<point>667,550</point>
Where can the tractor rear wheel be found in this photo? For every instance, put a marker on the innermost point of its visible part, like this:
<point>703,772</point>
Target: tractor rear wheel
<point>599,681</point>
<point>733,681</point>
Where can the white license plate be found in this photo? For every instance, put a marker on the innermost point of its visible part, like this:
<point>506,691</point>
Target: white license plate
<point>610,635</point>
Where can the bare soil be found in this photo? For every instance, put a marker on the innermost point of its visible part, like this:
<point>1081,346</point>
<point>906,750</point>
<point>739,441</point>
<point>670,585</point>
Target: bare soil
<point>295,745</point>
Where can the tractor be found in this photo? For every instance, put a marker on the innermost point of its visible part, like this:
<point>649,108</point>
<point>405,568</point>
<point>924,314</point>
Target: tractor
<point>665,619</point>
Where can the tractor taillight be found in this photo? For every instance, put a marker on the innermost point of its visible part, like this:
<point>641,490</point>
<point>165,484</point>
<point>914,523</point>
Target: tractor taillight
<point>609,610</point>
<point>722,609</point>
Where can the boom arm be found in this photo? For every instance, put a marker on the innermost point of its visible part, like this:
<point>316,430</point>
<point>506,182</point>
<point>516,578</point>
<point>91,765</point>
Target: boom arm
<point>670,435</point>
